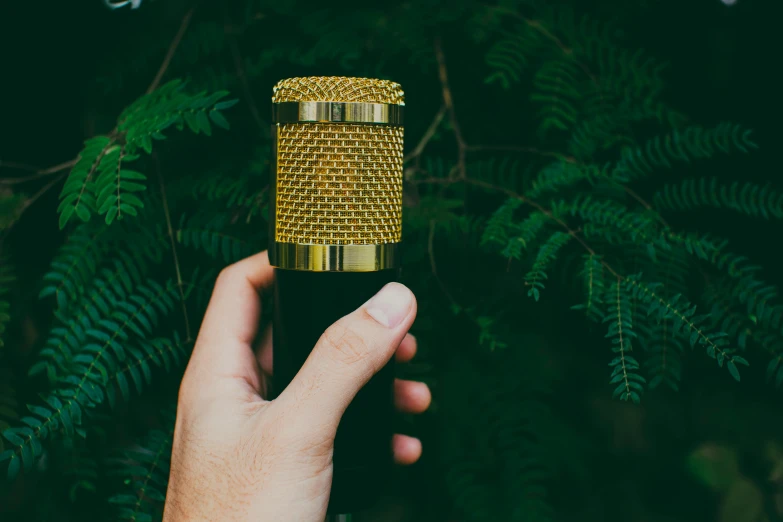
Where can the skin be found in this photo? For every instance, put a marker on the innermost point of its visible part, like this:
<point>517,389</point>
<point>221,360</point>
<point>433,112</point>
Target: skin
<point>239,457</point>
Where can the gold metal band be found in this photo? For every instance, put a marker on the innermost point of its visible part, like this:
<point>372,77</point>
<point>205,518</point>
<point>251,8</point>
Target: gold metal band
<point>334,258</point>
<point>350,112</point>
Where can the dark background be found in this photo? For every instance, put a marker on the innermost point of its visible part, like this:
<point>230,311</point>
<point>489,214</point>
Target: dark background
<point>724,65</point>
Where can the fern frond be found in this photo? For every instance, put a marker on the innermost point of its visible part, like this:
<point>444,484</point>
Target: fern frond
<point>145,471</point>
<point>755,294</point>
<point>98,183</point>
<point>524,234</point>
<point>562,175</point>
<point>113,282</point>
<point>240,194</point>
<point>508,57</point>
<point>82,471</point>
<point>499,224</point>
<point>639,227</point>
<point>213,237</point>
<point>77,196</point>
<point>546,256</point>
<point>466,231</point>
<point>556,93</point>
<point>684,145</point>
<point>746,198</point>
<point>83,388</point>
<point>503,171</point>
<point>74,265</point>
<point>593,276</point>
<point>115,185</point>
<point>160,352</point>
<point>664,361</point>
<point>629,384</point>
<point>686,323</point>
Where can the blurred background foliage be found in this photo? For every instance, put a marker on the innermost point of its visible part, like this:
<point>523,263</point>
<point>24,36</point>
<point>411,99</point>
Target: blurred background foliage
<point>524,425</point>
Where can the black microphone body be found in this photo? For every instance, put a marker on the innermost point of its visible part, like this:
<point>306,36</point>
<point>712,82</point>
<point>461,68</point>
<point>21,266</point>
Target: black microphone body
<point>306,304</point>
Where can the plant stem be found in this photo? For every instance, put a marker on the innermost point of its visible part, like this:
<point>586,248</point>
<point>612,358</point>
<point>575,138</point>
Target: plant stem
<point>172,49</point>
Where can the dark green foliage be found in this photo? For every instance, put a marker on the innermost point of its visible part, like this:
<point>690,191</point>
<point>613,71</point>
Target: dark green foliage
<point>547,254</point>
<point>686,323</point>
<point>746,198</point>
<point>101,183</point>
<point>556,161</point>
<point>493,463</point>
<point>593,274</point>
<point>6,278</point>
<point>145,472</point>
<point>8,404</point>
<point>684,145</point>
<point>75,265</point>
<point>214,238</point>
<point>106,345</point>
<point>625,377</point>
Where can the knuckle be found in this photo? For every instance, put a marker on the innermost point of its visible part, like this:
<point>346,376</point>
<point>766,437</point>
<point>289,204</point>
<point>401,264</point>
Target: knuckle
<point>342,342</point>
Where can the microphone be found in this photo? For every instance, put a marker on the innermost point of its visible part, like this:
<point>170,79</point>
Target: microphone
<point>335,233</point>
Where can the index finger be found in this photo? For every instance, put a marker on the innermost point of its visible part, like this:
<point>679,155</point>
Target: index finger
<point>234,309</point>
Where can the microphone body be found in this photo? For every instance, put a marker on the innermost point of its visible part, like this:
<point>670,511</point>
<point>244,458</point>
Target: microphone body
<point>334,240</point>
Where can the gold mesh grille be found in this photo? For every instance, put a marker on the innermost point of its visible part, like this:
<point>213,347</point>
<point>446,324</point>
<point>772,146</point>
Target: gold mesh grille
<point>338,88</point>
<point>339,184</point>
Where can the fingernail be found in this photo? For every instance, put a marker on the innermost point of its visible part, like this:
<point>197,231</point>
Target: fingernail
<point>390,306</point>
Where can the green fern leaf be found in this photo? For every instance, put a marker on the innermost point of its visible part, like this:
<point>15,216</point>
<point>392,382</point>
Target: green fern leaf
<point>497,229</point>
<point>593,277</point>
<point>628,383</point>
<point>685,322</point>
<point>547,254</point>
<point>77,197</point>
<point>557,95</point>
<point>562,175</point>
<point>145,471</point>
<point>84,386</point>
<point>213,236</point>
<point>681,145</point>
<point>746,198</point>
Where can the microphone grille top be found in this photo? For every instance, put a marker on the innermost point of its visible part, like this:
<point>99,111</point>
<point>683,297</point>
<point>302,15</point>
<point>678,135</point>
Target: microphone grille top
<point>338,89</point>
<point>338,181</point>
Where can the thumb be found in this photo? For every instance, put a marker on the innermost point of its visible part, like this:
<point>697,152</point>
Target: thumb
<point>349,353</point>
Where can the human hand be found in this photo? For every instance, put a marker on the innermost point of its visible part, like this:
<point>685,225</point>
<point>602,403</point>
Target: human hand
<point>237,456</point>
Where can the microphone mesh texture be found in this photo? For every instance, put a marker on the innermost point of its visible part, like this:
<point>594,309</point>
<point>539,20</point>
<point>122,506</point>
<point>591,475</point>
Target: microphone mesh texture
<point>338,183</point>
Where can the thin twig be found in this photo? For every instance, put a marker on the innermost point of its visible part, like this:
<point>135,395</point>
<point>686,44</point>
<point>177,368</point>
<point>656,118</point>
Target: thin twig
<point>240,70</point>
<point>18,166</point>
<point>448,101</point>
<point>172,49</point>
<point>174,251</point>
<point>646,205</point>
<point>39,173</point>
<point>415,153</point>
<point>531,150</point>
<point>29,202</point>
<point>539,27</point>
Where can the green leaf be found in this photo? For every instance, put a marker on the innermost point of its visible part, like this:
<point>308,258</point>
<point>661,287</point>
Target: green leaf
<point>225,104</point>
<point>219,120</point>
<point>733,370</point>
